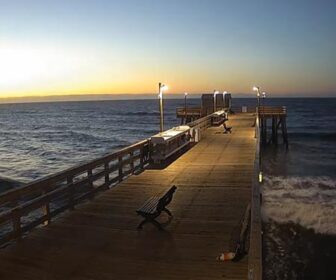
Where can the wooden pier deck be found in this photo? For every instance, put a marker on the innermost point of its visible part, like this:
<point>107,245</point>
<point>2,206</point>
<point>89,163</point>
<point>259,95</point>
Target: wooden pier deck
<point>99,239</point>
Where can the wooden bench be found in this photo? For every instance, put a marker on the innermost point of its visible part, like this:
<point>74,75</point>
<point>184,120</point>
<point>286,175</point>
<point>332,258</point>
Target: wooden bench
<point>153,207</point>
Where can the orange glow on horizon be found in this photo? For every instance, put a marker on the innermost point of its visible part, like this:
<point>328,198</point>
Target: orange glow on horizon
<point>49,71</point>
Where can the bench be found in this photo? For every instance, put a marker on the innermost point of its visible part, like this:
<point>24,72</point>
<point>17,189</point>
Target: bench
<point>153,207</point>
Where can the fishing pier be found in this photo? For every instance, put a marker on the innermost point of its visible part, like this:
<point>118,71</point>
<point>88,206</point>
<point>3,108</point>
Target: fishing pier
<point>81,223</point>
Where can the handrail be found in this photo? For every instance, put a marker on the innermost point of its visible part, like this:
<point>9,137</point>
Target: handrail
<point>239,109</point>
<point>255,251</point>
<point>201,122</point>
<point>58,192</point>
<point>270,110</point>
<point>189,110</point>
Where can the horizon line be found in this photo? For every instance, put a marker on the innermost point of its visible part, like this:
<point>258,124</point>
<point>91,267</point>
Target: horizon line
<point>130,96</point>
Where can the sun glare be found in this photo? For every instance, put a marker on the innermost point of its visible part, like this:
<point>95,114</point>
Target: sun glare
<point>19,66</point>
<point>31,67</point>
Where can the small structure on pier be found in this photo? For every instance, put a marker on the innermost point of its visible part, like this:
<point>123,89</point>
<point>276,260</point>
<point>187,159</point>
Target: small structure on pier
<point>278,116</point>
<point>209,104</point>
<point>167,143</point>
<point>188,114</point>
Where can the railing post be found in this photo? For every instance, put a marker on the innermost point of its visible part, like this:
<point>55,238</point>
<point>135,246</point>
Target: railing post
<point>142,157</point>
<point>71,192</point>
<point>16,220</point>
<point>46,210</point>
<point>107,174</point>
<point>120,171</point>
<point>89,174</point>
<point>131,154</point>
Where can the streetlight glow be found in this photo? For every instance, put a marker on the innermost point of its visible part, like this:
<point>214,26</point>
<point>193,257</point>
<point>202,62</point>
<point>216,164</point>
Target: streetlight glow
<point>185,107</point>
<point>257,89</point>
<point>162,87</point>
<point>215,93</point>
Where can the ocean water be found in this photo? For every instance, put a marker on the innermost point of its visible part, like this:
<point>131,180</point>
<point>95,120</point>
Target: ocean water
<point>299,191</point>
<point>38,139</point>
<point>299,194</point>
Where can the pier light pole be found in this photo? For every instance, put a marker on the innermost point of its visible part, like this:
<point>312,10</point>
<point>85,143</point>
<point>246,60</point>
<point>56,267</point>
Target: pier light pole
<point>215,93</point>
<point>257,89</point>
<point>162,87</point>
<point>263,98</point>
<point>185,106</point>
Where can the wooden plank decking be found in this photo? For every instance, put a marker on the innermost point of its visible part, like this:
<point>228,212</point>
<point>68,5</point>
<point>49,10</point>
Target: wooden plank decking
<point>99,240</point>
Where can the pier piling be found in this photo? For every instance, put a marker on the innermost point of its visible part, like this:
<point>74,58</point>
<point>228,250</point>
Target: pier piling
<point>278,121</point>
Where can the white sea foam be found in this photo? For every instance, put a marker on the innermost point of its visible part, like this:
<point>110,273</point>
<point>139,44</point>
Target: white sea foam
<point>308,201</point>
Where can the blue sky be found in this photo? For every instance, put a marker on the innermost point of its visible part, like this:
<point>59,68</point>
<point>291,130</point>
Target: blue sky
<point>76,47</point>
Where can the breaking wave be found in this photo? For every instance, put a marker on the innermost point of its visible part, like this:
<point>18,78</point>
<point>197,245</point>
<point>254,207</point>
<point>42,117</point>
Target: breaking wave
<point>307,201</point>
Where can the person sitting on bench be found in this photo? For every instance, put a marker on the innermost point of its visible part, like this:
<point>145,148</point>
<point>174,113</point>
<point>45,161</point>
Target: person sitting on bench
<point>226,129</point>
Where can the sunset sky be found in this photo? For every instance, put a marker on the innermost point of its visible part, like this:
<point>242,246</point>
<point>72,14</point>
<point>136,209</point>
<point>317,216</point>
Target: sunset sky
<point>106,46</point>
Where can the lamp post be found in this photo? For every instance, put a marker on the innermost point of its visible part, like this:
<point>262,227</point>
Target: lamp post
<point>215,93</point>
<point>162,87</point>
<point>185,106</point>
<point>258,124</point>
<point>257,89</point>
<point>263,98</point>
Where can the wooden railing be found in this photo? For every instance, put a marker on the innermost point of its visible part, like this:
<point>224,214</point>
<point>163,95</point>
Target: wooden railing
<point>38,202</point>
<point>202,123</point>
<point>255,251</point>
<point>272,110</point>
<point>240,109</point>
<point>191,111</point>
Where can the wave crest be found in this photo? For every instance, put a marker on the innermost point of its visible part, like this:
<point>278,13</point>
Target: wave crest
<point>308,201</point>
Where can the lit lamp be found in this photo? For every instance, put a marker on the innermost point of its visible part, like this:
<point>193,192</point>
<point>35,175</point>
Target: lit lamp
<point>215,93</point>
<point>257,89</point>
<point>162,87</point>
<point>263,98</point>
<point>260,179</point>
<point>185,106</point>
